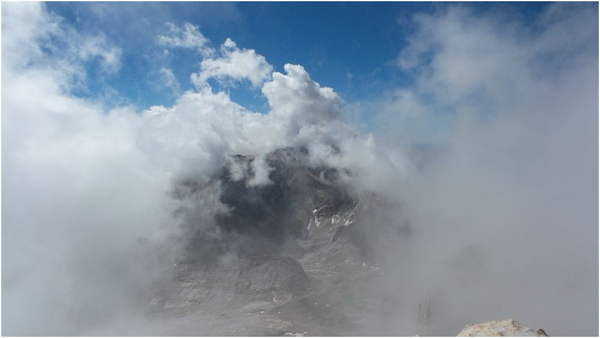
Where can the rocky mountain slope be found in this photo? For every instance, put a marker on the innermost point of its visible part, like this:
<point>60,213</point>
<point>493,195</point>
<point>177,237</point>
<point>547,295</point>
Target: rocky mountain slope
<point>290,257</point>
<point>284,258</point>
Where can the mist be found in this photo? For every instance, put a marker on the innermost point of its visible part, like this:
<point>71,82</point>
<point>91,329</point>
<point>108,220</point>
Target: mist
<point>487,167</point>
<point>504,217</point>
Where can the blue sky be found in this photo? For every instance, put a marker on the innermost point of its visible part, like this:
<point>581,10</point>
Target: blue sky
<point>351,47</point>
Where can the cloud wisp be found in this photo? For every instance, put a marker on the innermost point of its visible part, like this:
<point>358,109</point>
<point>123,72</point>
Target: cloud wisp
<point>188,36</point>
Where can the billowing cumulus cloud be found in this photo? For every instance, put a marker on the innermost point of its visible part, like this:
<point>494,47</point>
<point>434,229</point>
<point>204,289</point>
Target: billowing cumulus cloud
<point>209,123</point>
<point>296,92</point>
<point>234,65</point>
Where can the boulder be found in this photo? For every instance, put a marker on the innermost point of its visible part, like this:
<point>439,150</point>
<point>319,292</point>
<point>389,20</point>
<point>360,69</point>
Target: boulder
<point>500,328</point>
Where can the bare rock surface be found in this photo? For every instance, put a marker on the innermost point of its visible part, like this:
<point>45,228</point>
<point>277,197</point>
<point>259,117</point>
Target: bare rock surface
<point>500,328</point>
<point>257,278</point>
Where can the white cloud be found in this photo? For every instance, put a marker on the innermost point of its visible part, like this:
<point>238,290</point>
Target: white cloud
<point>23,22</point>
<point>203,127</point>
<point>72,50</point>
<point>461,56</point>
<point>517,180</point>
<point>188,36</point>
<point>169,80</point>
<point>295,97</point>
<point>234,65</point>
<point>261,170</point>
<point>74,178</point>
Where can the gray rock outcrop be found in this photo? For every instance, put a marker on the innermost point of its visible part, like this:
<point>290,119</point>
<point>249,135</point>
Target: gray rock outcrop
<point>500,328</point>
